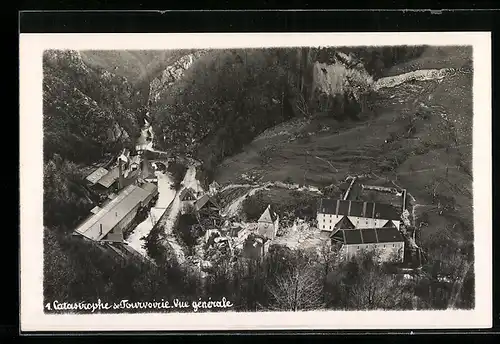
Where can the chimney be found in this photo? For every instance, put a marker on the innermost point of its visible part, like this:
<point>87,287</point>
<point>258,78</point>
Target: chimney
<point>404,200</point>
<point>120,174</point>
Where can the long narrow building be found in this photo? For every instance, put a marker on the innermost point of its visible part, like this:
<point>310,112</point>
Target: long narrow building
<point>387,241</point>
<point>110,222</point>
<point>360,214</point>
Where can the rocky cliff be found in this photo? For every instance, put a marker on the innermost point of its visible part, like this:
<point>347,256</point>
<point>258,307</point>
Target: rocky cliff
<point>171,74</point>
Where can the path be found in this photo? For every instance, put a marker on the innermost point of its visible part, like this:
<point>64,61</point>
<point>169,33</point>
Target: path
<point>173,212</point>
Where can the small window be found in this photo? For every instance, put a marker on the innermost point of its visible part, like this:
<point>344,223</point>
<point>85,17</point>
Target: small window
<point>330,227</point>
<point>323,226</point>
<point>393,245</point>
<point>384,245</point>
<point>358,247</point>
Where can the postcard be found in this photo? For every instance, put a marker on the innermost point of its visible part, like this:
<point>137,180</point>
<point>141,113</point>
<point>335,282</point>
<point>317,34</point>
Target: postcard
<point>271,181</point>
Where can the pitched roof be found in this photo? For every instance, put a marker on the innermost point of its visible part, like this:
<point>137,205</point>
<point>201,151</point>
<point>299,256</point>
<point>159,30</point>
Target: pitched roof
<point>113,212</point>
<point>268,215</point>
<point>359,209</point>
<point>96,175</point>
<point>149,187</point>
<point>203,200</point>
<point>187,194</point>
<point>368,236</point>
<point>108,179</point>
<point>344,223</point>
<point>389,224</point>
<point>389,235</point>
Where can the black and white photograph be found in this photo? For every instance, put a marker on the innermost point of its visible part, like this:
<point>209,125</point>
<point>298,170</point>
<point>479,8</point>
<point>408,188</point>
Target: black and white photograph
<point>298,177</point>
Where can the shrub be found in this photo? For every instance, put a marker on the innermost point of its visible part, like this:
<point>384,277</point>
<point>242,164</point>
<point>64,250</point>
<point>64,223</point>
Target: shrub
<point>184,230</point>
<point>253,207</point>
<point>177,170</point>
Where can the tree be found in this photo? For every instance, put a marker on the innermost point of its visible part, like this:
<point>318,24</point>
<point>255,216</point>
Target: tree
<point>64,200</point>
<point>254,206</point>
<point>297,289</point>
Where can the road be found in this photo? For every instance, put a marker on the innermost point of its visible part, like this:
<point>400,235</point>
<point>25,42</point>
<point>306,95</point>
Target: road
<point>173,211</point>
<point>165,197</point>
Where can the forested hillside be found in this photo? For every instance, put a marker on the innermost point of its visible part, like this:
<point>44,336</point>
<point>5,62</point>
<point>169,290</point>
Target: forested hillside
<point>87,114</point>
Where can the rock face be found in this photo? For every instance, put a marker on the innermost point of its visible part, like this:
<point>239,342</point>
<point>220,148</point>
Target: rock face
<point>171,74</point>
<point>339,81</point>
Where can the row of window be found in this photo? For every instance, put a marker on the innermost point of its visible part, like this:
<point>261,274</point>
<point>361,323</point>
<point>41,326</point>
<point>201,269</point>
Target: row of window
<point>393,245</point>
<point>357,223</point>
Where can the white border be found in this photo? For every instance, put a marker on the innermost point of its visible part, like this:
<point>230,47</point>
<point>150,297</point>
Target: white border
<point>32,317</point>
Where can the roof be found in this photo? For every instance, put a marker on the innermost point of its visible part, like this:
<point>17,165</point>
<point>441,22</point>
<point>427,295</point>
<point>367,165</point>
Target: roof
<point>185,193</point>
<point>96,175</point>
<point>149,187</point>
<point>268,215</point>
<point>113,212</point>
<point>359,209</point>
<point>109,178</point>
<point>203,200</point>
<point>389,224</point>
<point>368,236</point>
<point>344,223</point>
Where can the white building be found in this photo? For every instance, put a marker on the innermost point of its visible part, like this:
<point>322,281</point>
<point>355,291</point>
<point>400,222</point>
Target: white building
<point>360,214</point>
<point>268,223</point>
<point>387,241</point>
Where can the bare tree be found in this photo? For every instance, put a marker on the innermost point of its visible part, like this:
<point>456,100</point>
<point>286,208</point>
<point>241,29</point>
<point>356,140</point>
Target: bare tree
<point>297,289</point>
<point>375,288</point>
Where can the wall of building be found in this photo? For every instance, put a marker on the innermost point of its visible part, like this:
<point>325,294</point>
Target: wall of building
<point>266,229</point>
<point>115,235</point>
<point>328,221</point>
<point>128,219</point>
<point>386,250</point>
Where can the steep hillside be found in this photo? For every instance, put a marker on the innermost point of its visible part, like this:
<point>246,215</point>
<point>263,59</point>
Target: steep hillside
<point>420,138</point>
<point>84,108</point>
<point>228,97</point>
<point>88,114</point>
<point>139,67</point>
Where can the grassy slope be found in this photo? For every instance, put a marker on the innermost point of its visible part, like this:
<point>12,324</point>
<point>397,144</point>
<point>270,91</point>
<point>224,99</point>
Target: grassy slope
<point>435,58</point>
<point>358,148</point>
